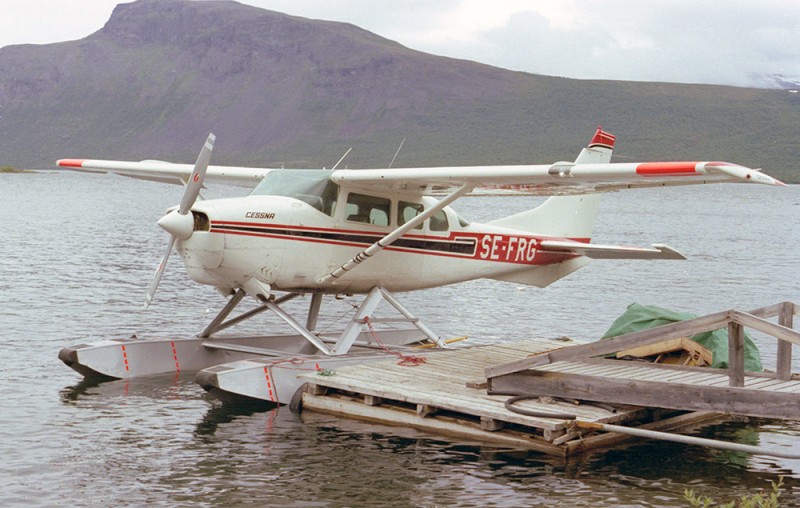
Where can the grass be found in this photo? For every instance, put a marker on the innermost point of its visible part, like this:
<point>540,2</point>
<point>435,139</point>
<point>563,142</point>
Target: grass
<point>12,169</point>
<point>756,500</point>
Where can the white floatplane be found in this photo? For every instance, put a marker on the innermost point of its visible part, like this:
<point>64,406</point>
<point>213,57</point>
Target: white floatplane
<point>371,232</point>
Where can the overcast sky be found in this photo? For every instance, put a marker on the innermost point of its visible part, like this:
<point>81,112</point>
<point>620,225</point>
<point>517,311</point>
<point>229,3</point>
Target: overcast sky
<point>736,42</point>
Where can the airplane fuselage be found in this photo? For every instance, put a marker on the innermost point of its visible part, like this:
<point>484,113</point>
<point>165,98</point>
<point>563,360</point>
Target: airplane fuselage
<point>290,245</point>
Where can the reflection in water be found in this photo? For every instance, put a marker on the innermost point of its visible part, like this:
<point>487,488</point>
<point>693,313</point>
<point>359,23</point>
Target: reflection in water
<point>71,394</point>
<point>226,413</point>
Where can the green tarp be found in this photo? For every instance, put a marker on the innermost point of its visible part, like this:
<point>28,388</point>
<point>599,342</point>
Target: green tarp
<point>641,317</point>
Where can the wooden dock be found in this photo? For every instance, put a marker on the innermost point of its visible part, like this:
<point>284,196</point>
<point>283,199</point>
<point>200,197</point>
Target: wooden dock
<point>447,395</point>
<point>582,372</point>
<point>573,391</point>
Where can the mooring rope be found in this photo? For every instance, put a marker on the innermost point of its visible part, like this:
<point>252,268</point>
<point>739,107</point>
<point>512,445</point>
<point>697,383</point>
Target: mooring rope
<point>405,360</point>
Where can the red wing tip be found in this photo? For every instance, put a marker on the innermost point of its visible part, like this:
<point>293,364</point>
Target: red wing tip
<point>71,163</point>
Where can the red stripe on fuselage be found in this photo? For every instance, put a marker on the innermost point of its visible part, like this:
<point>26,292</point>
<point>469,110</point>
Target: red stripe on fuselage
<point>494,247</point>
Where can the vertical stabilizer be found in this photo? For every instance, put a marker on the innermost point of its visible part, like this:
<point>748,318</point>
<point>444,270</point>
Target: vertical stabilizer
<point>567,216</point>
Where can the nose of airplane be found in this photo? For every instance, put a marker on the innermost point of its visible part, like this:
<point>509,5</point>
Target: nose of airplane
<point>178,225</point>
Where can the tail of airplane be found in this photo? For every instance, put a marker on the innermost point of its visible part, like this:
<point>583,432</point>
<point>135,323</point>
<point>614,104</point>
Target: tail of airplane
<point>567,216</point>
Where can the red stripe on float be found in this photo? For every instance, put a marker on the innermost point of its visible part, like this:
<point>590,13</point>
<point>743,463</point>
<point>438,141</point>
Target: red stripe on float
<point>125,358</point>
<point>666,168</point>
<point>269,384</point>
<point>175,356</point>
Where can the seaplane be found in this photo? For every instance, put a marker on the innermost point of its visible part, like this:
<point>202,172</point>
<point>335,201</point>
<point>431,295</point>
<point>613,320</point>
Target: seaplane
<point>368,234</point>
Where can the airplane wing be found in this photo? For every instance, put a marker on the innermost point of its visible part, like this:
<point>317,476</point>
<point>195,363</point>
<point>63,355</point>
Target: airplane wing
<point>167,172</point>
<point>561,178</point>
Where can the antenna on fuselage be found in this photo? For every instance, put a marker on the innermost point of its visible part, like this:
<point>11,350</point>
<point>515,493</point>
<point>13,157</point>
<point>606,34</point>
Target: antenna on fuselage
<point>398,151</point>
<point>340,160</point>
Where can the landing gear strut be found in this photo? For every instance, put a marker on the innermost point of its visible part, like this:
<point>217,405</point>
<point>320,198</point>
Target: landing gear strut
<point>342,344</point>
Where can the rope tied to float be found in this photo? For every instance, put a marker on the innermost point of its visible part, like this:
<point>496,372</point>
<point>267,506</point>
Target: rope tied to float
<point>405,360</point>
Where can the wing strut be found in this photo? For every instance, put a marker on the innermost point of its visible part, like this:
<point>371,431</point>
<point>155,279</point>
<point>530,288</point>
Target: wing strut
<point>394,235</point>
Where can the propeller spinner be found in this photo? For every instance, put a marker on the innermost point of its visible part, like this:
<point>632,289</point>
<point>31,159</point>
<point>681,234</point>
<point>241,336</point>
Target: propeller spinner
<point>180,223</point>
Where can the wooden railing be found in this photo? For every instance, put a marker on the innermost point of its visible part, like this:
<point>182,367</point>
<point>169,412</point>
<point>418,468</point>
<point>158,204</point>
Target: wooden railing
<point>734,320</point>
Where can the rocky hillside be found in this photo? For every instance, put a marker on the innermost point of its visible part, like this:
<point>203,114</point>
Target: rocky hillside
<point>278,89</point>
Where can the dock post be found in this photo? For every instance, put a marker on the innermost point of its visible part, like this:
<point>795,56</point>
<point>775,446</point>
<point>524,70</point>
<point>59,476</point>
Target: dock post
<point>783,369</point>
<point>735,354</point>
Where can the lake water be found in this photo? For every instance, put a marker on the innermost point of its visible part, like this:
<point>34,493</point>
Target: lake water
<point>78,252</point>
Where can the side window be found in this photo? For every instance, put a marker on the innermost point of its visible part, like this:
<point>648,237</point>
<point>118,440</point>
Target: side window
<point>368,209</point>
<point>439,221</point>
<point>407,211</point>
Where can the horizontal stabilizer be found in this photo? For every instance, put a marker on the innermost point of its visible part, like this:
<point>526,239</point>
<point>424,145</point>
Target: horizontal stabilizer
<point>595,251</point>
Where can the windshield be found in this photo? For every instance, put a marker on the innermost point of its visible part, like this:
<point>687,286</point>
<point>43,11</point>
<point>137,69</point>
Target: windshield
<point>312,186</point>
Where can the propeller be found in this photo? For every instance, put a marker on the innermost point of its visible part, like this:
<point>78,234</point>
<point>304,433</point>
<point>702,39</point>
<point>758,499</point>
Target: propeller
<point>179,223</point>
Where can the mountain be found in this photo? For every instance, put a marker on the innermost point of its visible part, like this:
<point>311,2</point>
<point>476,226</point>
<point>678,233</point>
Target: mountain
<point>283,90</point>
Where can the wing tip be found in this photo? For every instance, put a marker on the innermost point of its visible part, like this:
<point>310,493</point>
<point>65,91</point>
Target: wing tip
<point>744,173</point>
<point>70,163</point>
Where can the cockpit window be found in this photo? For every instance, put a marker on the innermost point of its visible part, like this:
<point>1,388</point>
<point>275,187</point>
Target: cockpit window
<point>312,186</point>
<point>368,209</point>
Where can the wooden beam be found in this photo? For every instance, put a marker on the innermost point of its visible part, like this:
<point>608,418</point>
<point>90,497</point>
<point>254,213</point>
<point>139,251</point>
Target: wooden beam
<point>490,424</point>
<point>767,312</point>
<point>735,354</point>
<point>731,400</point>
<point>608,346</point>
<point>778,331</point>
<point>783,369</point>
<point>372,400</point>
<point>424,410</point>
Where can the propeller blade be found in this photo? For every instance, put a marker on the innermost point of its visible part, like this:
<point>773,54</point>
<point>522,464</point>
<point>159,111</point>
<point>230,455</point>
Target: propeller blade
<point>198,174</point>
<point>151,291</point>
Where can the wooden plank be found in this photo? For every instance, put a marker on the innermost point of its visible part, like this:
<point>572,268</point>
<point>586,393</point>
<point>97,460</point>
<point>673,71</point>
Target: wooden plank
<point>452,396</point>
<point>729,400</point>
<point>696,377</point>
<point>530,346</point>
<point>450,427</point>
<point>609,346</point>
<point>668,424</point>
<point>761,383</point>
<point>448,399</point>
<point>668,377</point>
<point>643,371</point>
<point>445,393</point>
<point>610,368</point>
<point>592,369</point>
<point>703,379</point>
<point>790,389</point>
<point>785,385</point>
